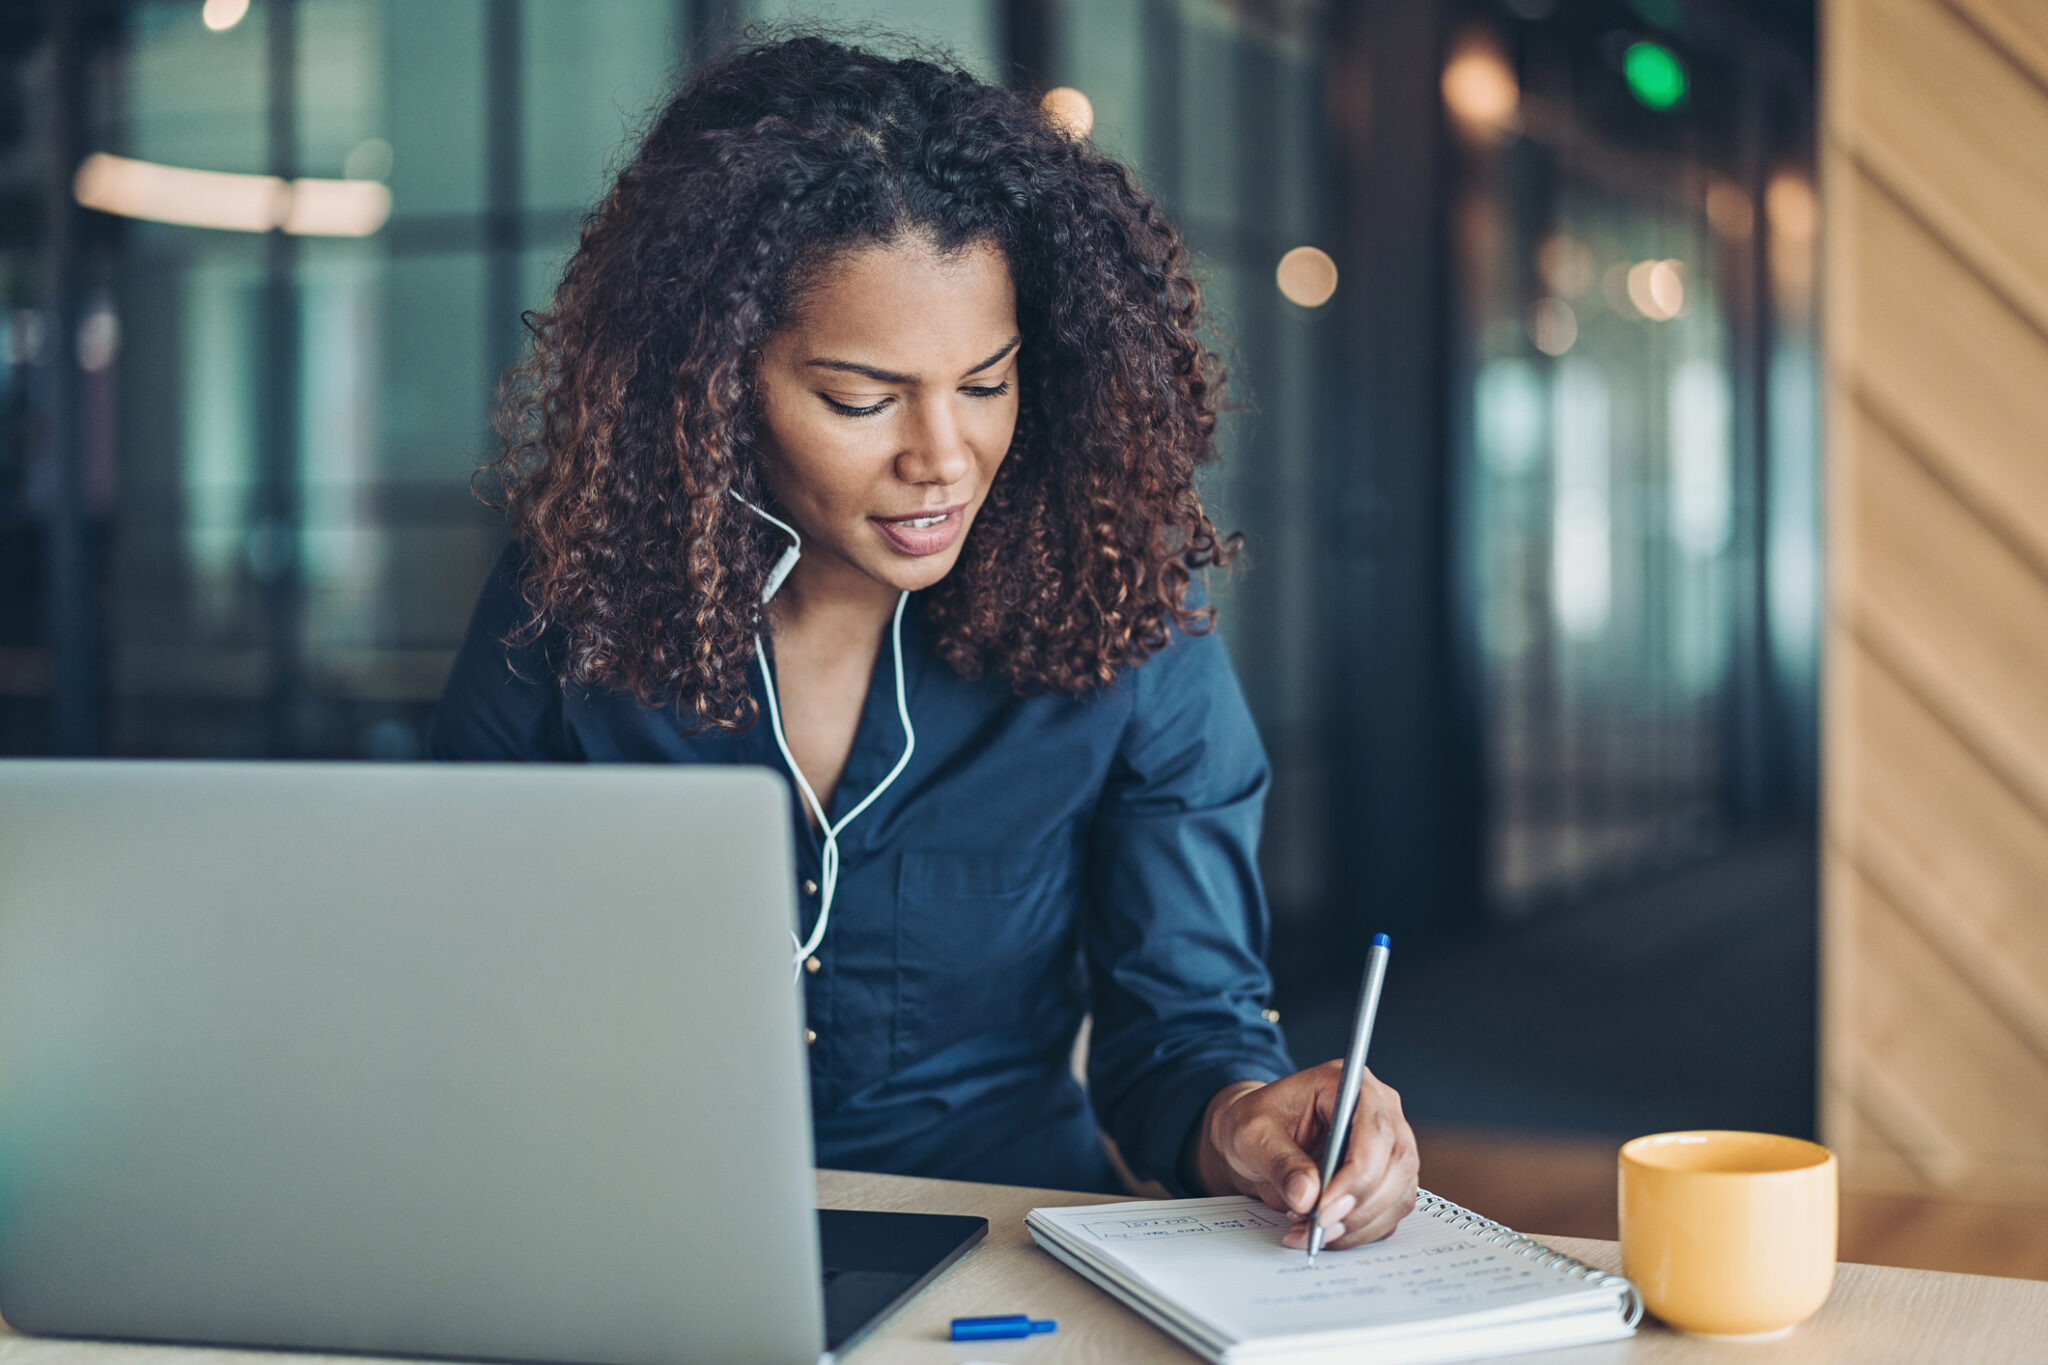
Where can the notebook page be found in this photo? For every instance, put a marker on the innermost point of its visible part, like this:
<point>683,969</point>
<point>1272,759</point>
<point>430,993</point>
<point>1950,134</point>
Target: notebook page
<point>1221,1262</point>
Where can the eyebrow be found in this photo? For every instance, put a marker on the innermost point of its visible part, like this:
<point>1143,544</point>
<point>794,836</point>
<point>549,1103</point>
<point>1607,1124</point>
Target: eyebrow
<point>891,377</point>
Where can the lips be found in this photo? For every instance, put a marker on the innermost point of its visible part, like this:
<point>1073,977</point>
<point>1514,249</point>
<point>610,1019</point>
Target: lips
<point>923,533</point>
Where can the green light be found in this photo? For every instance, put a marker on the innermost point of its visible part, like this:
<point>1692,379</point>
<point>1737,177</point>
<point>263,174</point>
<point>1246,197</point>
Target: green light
<point>1655,75</point>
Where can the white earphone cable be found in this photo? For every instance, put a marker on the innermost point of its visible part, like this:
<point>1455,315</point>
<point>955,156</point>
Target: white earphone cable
<point>828,873</point>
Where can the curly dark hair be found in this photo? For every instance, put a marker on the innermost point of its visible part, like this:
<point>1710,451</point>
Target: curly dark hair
<point>634,412</point>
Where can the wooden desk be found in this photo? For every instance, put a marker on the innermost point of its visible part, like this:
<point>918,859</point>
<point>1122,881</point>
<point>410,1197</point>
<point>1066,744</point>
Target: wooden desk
<point>1876,1314</point>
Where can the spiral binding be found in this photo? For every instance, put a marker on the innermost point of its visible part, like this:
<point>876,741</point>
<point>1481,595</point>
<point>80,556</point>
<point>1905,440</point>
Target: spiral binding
<point>1500,1235</point>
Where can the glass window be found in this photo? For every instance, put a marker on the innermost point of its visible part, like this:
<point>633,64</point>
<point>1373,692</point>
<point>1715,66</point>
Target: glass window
<point>1100,49</point>
<point>1609,488</point>
<point>435,106</point>
<point>590,76</point>
<point>967,27</point>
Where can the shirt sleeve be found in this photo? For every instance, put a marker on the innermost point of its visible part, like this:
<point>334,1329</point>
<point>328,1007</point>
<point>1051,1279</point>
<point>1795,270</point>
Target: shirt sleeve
<point>502,702</point>
<point>1177,918</point>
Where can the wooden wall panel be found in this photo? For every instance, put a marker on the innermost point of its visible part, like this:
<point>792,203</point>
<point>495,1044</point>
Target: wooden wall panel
<point>1947,604</point>
<point>1941,1074</point>
<point>1935,874</point>
<point>2017,27</point>
<point>1977,903</point>
<point>1947,365</point>
<point>1933,107</point>
<point>1885,1137</point>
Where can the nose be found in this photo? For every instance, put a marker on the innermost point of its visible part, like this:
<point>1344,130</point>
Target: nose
<point>937,451</point>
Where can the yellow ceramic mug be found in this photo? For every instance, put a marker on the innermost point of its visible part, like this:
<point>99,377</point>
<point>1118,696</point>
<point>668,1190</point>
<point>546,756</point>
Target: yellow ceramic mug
<point>1729,1234</point>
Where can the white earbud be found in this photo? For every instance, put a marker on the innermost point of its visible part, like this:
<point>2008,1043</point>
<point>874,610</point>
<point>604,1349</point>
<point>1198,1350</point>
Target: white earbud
<point>789,556</point>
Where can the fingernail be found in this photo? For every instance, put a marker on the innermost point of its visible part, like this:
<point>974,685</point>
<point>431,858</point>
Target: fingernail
<point>1334,1214</point>
<point>1334,1232</point>
<point>1300,1190</point>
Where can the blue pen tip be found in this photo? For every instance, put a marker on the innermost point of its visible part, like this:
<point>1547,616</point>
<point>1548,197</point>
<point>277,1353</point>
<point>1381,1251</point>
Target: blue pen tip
<point>1382,941</point>
<point>1044,1325</point>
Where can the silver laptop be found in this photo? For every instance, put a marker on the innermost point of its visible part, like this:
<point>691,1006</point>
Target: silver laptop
<point>496,1062</point>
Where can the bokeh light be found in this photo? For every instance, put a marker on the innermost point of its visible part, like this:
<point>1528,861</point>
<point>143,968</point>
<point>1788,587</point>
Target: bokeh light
<point>1730,211</point>
<point>228,200</point>
<point>1790,203</point>
<point>1581,534</point>
<point>99,340</point>
<point>1553,326</point>
<point>222,15</point>
<point>1478,85</point>
<point>1307,276</point>
<point>1792,212</point>
<point>1657,289</point>
<point>1069,108</point>
<point>1655,76</point>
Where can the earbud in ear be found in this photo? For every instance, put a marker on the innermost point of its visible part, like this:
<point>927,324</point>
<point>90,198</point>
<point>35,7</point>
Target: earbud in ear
<point>789,556</point>
<point>780,572</point>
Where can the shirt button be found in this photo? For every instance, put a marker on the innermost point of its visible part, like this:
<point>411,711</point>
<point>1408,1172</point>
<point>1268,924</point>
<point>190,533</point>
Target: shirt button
<point>810,887</point>
<point>813,966</point>
<point>1271,1016</point>
<point>810,1035</point>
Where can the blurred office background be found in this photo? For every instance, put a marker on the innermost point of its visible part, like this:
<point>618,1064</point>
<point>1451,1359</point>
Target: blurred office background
<point>1518,298</point>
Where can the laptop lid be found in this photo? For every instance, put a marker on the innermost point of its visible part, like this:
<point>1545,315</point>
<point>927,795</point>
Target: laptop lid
<point>469,1061</point>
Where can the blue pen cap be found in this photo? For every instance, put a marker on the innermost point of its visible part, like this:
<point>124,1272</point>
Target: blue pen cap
<point>1382,941</point>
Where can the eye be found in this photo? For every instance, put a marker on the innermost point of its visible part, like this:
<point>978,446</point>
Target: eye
<point>844,411</point>
<point>987,391</point>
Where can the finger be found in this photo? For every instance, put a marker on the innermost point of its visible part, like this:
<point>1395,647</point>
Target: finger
<point>1280,1162</point>
<point>1297,1238</point>
<point>1333,1210</point>
<point>1362,1234</point>
<point>1331,1217</point>
<point>1377,1217</point>
<point>1369,1152</point>
<point>1325,1082</point>
<point>1273,1198</point>
<point>1395,1189</point>
<point>1373,1226</point>
<point>1277,1202</point>
<point>1371,1222</point>
<point>1263,1190</point>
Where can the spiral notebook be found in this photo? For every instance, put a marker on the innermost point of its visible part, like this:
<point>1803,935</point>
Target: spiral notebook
<point>1447,1285</point>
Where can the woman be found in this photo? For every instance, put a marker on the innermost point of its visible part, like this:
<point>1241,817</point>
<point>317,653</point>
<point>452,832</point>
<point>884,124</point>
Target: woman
<point>862,353</point>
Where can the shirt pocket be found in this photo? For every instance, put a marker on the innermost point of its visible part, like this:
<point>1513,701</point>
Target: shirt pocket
<point>984,939</point>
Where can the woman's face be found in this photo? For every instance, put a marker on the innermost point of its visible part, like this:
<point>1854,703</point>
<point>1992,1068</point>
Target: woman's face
<point>888,404</point>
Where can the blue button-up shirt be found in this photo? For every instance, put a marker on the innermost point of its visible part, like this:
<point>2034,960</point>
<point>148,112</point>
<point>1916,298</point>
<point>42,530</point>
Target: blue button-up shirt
<point>1040,859</point>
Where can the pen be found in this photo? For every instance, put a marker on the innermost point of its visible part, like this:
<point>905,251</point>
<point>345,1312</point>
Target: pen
<point>1354,1074</point>
<point>1003,1328</point>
